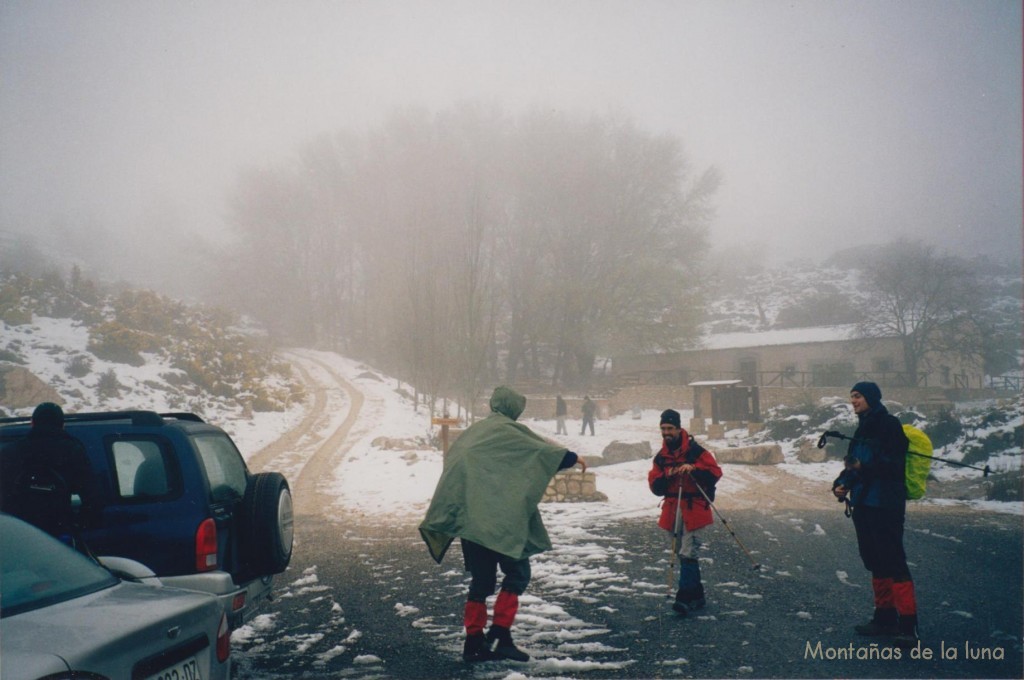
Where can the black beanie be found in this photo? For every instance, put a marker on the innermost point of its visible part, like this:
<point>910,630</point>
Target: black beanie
<point>48,416</point>
<point>871,392</point>
<point>670,417</point>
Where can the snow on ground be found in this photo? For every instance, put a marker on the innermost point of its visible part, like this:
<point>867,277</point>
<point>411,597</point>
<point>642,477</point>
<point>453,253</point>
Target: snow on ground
<point>412,472</point>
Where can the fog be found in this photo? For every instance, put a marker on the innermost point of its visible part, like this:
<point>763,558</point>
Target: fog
<point>833,124</point>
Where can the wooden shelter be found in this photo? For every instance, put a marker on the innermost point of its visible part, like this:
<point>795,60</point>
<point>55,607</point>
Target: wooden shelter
<point>726,400</point>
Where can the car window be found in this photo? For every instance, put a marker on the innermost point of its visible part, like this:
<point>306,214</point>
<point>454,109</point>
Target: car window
<point>37,570</point>
<point>225,468</point>
<point>141,468</point>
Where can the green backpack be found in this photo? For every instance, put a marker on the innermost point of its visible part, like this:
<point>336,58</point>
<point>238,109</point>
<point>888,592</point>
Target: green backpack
<point>918,465</point>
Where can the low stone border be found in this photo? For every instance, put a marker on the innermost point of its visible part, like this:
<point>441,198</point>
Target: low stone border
<point>571,486</point>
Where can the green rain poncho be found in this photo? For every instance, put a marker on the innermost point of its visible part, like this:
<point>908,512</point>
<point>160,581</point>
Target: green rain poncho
<point>494,477</point>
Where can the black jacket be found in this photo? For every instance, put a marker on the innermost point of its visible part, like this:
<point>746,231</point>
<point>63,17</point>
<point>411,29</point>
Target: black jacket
<point>881,448</point>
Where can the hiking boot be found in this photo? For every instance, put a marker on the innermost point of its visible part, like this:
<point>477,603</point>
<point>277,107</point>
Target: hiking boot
<point>906,633</point>
<point>500,645</point>
<point>883,623</point>
<point>679,607</point>
<point>476,649</point>
<point>696,603</point>
<point>905,640</point>
<point>689,599</point>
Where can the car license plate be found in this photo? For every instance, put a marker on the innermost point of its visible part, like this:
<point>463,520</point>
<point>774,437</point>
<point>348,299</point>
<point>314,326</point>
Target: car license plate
<point>186,669</point>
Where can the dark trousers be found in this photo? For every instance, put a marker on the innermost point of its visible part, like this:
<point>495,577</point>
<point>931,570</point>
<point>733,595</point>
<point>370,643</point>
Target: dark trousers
<point>880,541</point>
<point>588,421</point>
<point>483,563</point>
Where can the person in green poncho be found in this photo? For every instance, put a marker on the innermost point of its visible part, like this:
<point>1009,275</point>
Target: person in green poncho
<point>494,477</point>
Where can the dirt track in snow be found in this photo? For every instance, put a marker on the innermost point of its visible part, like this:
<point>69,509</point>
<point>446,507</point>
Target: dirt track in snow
<point>328,445</point>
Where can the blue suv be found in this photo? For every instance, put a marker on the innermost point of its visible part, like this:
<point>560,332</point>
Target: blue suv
<point>174,494</point>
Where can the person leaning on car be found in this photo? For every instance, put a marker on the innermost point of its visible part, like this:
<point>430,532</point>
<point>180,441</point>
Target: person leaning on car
<point>42,471</point>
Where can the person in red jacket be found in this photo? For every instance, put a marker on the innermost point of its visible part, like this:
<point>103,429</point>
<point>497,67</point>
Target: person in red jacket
<point>678,468</point>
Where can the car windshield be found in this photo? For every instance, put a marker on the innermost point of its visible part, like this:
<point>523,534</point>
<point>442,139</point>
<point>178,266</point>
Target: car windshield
<point>37,570</point>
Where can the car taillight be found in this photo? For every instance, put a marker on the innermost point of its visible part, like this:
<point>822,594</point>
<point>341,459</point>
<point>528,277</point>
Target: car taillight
<point>223,639</point>
<point>206,546</point>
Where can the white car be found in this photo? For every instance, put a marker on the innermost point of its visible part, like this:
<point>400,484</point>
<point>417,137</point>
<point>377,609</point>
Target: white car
<point>64,616</point>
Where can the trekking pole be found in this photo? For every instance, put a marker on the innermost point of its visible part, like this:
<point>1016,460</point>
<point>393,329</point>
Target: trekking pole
<point>839,435</point>
<point>732,533</point>
<point>670,575</point>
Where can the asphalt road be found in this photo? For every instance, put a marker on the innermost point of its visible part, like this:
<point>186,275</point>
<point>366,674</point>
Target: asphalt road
<point>365,602</point>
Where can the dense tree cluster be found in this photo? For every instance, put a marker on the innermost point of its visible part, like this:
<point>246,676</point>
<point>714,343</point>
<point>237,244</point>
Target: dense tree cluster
<point>458,249</point>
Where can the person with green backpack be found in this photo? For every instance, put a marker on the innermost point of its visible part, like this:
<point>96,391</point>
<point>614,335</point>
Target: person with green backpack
<point>874,484</point>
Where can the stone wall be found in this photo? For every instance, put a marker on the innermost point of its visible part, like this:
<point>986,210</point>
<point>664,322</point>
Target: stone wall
<point>572,486</point>
<point>658,397</point>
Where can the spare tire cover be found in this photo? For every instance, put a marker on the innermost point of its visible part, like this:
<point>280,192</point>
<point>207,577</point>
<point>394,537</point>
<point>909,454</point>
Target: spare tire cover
<point>267,524</point>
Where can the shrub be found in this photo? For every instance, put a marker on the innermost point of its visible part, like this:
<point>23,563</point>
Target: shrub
<point>108,386</point>
<point>1006,487</point>
<point>786,429</point>
<point>994,418</point>
<point>79,366</point>
<point>977,452</point>
<point>11,356</point>
<point>114,342</point>
<point>147,311</point>
<point>945,430</point>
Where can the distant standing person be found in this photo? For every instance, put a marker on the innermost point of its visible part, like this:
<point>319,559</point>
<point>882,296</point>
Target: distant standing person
<point>494,477</point>
<point>874,483</point>
<point>560,413</point>
<point>41,473</point>
<point>589,409</point>
<point>678,468</point>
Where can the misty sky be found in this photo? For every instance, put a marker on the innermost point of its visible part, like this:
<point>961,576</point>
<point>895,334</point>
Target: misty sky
<point>833,123</point>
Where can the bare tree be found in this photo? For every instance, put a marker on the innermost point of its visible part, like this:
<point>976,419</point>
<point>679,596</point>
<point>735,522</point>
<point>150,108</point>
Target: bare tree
<point>926,300</point>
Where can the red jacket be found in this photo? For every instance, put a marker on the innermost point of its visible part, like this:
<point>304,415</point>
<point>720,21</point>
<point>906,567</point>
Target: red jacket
<point>696,510</point>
